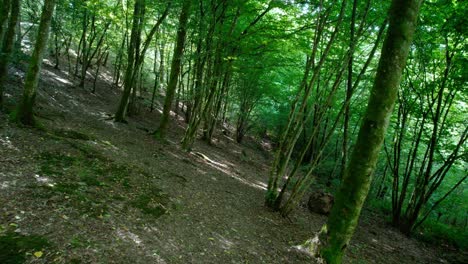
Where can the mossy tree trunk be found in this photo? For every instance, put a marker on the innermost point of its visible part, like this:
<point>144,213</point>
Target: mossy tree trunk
<point>175,68</point>
<point>11,8</point>
<point>356,181</point>
<point>24,112</point>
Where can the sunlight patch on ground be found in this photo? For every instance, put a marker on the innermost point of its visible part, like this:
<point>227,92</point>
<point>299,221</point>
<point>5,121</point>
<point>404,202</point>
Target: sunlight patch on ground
<point>129,236</point>
<point>112,124</point>
<point>5,185</point>
<point>44,180</point>
<point>103,114</point>
<point>310,248</point>
<point>109,145</point>
<point>175,155</point>
<point>226,170</point>
<point>57,78</point>
<point>6,142</point>
<point>106,76</point>
<point>26,46</point>
<point>7,95</point>
<point>201,171</point>
<point>262,184</point>
<point>223,242</point>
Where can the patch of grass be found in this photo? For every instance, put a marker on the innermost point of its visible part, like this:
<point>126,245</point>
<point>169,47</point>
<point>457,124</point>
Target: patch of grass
<point>54,163</point>
<point>65,133</point>
<point>90,178</point>
<point>75,261</point>
<point>436,232</point>
<point>86,179</point>
<point>118,174</point>
<point>154,203</point>
<point>65,187</point>
<point>14,246</point>
<point>79,241</point>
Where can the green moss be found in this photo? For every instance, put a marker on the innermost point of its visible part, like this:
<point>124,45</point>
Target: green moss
<point>67,188</point>
<point>434,232</point>
<point>82,182</point>
<point>54,163</point>
<point>90,179</point>
<point>14,246</point>
<point>65,133</point>
<point>118,174</point>
<point>154,203</point>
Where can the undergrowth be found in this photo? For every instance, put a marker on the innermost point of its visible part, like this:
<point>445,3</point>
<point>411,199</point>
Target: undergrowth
<point>89,182</point>
<point>14,246</point>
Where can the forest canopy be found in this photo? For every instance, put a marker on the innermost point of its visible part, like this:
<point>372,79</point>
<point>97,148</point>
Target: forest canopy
<point>365,100</point>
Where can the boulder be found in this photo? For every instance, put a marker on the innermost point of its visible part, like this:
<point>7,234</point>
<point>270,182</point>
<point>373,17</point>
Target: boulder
<point>320,202</point>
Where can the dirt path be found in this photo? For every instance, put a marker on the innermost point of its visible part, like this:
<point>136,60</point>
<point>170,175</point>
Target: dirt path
<point>94,191</point>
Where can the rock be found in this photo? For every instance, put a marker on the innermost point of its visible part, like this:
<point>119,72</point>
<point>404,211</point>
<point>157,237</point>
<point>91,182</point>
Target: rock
<point>321,202</point>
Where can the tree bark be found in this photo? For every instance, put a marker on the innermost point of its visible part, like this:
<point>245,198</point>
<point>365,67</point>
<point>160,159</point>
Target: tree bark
<point>7,45</point>
<point>128,80</point>
<point>24,112</point>
<point>175,68</point>
<point>349,199</point>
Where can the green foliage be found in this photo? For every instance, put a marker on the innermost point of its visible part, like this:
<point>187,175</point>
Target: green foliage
<point>53,163</point>
<point>437,233</point>
<point>14,246</point>
<point>153,202</point>
<point>81,178</point>
<point>80,242</point>
<point>72,134</point>
<point>432,231</point>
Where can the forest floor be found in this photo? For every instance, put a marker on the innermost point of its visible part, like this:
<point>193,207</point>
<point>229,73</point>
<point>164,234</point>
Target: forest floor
<point>87,190</point>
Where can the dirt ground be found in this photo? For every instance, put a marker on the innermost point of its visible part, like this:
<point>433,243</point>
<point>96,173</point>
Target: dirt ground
<point>87,190</point>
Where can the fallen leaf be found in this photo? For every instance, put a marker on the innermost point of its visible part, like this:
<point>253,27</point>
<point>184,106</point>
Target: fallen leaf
<point>38,254</point>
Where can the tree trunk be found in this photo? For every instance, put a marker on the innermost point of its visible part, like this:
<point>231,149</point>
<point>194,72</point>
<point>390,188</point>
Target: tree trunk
<point>7,45</point>
<point>352,193</point>
<point>175,68</point>
<point>4,12</point>
<point>24,112</point>
<point>128,79</point>
<point>349,91</point>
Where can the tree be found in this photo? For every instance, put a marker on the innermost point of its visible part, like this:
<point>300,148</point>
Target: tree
<point>430,131</point>
<point>175,67</point>
<point>11,7</point>
<point>136,53</point>
<point>24,112</point>
<point>349,199</point>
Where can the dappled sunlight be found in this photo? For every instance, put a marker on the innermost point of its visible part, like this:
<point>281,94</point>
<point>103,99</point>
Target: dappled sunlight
<point>56,77</point>
<point>310,247</point>
<point>4,185</point>
<point>107,145</point>
<point>201,171</point>
<point>128,236</point>
<point>6,143</point>
<point>262,184</point>
<point>223,242</point>
<point>177,156</point>
<point>112,124</point>
<point>106,77</point>
<point>44,180</point>
<point>102,115</point>
<point>225,169</point>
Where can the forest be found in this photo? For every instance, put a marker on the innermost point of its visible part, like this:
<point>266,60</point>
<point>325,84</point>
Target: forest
<point>236,131</point>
